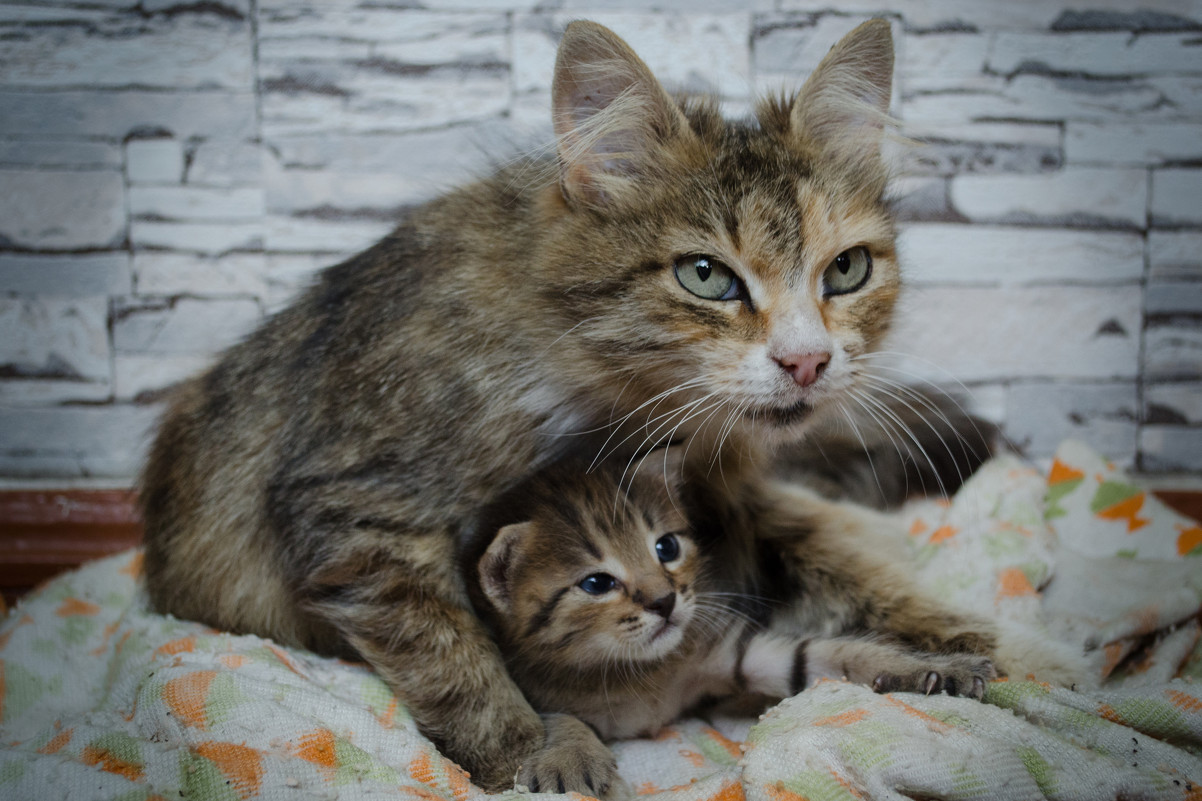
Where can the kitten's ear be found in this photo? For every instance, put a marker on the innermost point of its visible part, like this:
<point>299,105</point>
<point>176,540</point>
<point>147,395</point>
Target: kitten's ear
<point>496,566</point>
<point>609,113</point>
<point>665,466</point>
<point>844,106</point>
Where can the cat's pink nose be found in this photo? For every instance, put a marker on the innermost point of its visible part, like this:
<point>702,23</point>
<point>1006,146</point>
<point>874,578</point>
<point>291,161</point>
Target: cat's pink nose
<point>804,368</point>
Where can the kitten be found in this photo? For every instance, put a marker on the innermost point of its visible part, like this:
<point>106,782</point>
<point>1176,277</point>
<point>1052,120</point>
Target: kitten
<point>668,276</point>
<point>606,609</point>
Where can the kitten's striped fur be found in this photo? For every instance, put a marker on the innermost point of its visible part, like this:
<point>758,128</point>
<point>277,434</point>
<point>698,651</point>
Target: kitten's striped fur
<point>607,608</point>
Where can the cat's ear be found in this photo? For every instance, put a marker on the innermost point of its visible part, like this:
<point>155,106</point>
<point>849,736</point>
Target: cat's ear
<point>843,108</point>
<point>496,566</point>
<point>609,113</point>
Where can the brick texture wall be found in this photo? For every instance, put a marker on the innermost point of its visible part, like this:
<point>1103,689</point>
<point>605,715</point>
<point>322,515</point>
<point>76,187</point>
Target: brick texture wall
<point>171,172</point>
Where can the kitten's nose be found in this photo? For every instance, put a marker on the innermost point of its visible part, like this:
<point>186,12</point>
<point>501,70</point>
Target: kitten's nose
<point>662,606</point>
<point>804,368</point>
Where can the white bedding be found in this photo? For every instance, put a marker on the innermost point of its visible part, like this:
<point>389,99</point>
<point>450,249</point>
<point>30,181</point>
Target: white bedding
<point>102,699</point>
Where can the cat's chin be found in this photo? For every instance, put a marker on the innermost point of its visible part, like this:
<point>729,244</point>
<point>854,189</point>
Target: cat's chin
<point>784,416</point>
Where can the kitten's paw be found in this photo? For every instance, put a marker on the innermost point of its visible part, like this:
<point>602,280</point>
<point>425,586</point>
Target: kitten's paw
<point>573,759</point>
<point>956,674</point>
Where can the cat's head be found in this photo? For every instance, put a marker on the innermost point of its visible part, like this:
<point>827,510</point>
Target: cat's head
<point>739,267</point>
<point>598,574</point>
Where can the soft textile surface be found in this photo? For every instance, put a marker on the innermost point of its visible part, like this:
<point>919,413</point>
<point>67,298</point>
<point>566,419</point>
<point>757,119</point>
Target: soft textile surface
<point>101,699</point>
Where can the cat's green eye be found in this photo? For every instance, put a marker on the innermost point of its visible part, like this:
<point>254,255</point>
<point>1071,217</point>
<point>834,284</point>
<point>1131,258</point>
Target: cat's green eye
<point>598,583</point>
<point>708,278</point>
<point>848,272</point>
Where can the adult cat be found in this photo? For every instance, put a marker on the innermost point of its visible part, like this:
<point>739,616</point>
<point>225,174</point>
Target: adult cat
<point>671,275</point>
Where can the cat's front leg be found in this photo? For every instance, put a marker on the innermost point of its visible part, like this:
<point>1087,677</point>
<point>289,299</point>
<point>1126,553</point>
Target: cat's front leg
<point>573,759</point>
<point>887,667</point>
<point>781,665</point>
<point>392,594</point>
<point>437,657</point>
<point>841,574</point>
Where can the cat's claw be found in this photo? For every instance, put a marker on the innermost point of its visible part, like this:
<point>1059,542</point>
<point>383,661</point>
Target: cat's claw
<point>573,759</point>
<point>958,674</point>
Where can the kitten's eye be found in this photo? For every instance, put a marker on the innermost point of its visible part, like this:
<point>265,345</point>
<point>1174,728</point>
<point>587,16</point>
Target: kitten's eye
<point>598,583</point>
<point>667,548</point>
<point>848,272</point>
<point>708,278</point>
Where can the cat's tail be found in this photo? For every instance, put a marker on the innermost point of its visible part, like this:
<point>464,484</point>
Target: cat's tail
<point>912,442</point>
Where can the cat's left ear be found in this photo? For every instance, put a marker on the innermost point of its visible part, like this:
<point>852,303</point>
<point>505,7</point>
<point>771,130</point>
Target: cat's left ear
<point>843,108</point>
<point>610,115</point>
<point>496,566</point>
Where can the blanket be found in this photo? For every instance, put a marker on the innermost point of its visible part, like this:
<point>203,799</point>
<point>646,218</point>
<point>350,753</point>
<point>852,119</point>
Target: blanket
<point>102,699</point>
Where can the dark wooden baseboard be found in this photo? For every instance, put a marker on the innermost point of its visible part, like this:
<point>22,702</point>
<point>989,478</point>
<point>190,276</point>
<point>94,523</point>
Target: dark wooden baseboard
<point>46,532</point>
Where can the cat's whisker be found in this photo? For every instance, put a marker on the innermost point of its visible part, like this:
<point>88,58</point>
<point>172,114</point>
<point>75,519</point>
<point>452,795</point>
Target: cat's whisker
<point>864,445</point>
<point>907,397</point>
<point>889,419</point>
<point>728,428</point>
<point>935,388</point>
<point>654,402</point>
<point>557,339</point>
<point>652,439</point>
<point>712,411</point>
<point>649,436</point>
<point>689,411</point>
<point>891,354</point>
<point>889,430</point>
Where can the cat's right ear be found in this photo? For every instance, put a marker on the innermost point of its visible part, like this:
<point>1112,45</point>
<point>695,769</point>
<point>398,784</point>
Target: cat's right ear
<point>609,113</point>
<point>496,566</point>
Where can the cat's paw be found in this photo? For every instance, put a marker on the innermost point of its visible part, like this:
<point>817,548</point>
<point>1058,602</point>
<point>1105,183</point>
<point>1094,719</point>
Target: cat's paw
<point>954,674</point>
<point>573,759</point>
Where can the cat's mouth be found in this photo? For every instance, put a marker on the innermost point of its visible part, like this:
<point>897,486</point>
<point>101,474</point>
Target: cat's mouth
<point>784,415</point>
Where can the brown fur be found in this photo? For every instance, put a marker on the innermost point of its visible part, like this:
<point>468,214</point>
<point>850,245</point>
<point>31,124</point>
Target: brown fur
<point>316,484</point>
<point>632,657</point>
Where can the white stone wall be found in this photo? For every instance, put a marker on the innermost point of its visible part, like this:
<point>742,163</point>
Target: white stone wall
<point>171,172</point>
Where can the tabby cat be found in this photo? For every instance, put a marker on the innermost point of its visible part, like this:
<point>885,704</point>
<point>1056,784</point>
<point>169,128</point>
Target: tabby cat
<point>667,276</point>
<point>606,609</point>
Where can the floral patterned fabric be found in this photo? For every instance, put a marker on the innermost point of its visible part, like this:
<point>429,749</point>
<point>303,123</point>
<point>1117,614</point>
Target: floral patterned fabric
<point>101,699</point>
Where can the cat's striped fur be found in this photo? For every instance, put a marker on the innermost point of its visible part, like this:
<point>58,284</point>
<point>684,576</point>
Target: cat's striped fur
<point>316,485</point>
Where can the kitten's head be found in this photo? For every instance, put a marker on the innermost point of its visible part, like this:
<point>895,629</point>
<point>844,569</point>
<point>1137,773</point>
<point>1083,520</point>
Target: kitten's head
<point>597,575</point>
<point>740,267</point>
